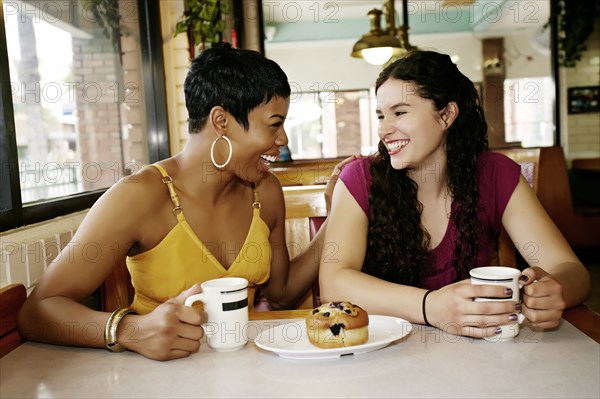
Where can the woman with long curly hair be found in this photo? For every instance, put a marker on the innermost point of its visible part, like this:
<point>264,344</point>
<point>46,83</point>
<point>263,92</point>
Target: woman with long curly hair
<point>408,223</point>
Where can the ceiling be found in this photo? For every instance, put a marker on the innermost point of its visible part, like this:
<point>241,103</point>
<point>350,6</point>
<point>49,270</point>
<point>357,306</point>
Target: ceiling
<point>287,21</point>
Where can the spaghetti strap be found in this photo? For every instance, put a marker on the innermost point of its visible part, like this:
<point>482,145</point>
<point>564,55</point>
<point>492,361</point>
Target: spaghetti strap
<point>177,209</point>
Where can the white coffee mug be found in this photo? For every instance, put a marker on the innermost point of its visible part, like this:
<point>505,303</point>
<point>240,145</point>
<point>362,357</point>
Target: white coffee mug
<point>226,304</point>
<point>509,278</point>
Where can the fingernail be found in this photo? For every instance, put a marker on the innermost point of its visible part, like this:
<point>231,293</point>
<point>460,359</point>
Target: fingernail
<point>498,330</point>
<point>524,278</point>
<point>512,317</point>
<point>518,307</point>
<point>508,292</point>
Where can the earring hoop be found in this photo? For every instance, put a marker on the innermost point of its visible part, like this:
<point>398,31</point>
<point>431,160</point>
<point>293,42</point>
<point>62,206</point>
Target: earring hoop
<point>212,152</point>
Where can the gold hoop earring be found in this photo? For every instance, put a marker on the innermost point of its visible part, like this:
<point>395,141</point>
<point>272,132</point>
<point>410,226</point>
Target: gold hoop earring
<point>212,152</point>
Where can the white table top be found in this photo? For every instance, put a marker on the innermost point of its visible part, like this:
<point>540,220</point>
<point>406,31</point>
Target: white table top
<point>564,363</point>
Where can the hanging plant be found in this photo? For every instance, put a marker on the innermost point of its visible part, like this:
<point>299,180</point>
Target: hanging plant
<point>575,25</point>
<point>203,22</point>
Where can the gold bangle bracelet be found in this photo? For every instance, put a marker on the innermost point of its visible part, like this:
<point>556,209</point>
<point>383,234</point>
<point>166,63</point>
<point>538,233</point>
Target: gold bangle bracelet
<point>110,331</point>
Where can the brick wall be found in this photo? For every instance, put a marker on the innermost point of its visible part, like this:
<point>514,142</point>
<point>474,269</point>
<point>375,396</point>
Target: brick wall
<point>347,117</point>
<point>110,106</point>
<point>97,109</point>
<point>133,110</point>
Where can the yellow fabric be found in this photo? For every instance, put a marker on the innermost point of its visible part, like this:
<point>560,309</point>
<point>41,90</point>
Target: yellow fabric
<point>180,260</point>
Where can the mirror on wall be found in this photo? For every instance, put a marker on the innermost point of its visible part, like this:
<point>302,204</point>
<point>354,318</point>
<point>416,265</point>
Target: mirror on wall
<point>503,46</point>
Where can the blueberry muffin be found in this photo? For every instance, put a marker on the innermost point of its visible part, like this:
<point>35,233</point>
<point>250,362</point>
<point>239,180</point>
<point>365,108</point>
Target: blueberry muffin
<point>337,325</point>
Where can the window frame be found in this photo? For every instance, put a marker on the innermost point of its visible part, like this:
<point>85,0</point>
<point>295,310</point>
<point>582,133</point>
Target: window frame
<point>19,214</point>
<point>371,125</point>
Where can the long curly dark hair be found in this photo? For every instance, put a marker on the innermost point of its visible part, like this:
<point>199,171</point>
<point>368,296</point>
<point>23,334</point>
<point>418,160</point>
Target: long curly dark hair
<point>398,244</point>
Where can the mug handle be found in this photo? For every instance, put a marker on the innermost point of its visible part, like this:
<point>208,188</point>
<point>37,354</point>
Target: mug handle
<point>190,300</point>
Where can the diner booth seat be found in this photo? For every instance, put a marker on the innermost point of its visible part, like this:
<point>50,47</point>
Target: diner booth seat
<point>12,298</point>
<point>545,169</point>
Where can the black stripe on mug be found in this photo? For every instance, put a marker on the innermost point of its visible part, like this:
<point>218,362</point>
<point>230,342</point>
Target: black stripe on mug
<point>227,306</point>
<point>493,280</point>
<point>496,298</point>
<point>233,291</point>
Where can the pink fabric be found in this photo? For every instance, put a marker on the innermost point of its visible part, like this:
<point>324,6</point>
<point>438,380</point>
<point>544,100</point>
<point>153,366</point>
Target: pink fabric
<point>498,176</point>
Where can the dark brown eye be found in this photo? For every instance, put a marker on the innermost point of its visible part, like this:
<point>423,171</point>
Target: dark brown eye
<point>315,311</point>
<point>326,314</point>
<point>348,311</point>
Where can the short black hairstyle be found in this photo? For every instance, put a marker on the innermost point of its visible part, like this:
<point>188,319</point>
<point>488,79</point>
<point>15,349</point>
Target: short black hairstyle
<point>238,80</point>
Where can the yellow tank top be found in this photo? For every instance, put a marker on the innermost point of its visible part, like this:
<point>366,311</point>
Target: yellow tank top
<point>180,259</point>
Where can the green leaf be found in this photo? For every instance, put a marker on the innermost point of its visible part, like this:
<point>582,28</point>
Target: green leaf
<point>205,18</point>
<point>180,27</point>
<point>225,7</point>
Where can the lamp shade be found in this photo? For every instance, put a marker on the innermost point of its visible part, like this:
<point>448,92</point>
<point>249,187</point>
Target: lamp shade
<point>377,55</point>
<point>377,46</point>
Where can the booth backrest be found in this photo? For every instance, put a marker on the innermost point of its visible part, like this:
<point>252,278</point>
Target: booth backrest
<point>305,213</point>
<point>12,298</point>
<point>545,169</point>
<point>305,173</point>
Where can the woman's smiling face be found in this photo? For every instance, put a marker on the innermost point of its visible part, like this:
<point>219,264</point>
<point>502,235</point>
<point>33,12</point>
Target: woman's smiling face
<point>259,145</point>
<point>410,127</point>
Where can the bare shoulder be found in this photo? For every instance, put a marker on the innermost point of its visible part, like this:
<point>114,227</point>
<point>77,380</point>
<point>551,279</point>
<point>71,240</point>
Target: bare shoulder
<point>270,195</point>
<point>140,190</point>
<point>127,204</point>
<point>270,184</point>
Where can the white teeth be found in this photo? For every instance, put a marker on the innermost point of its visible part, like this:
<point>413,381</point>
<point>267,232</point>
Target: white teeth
<point>396,145</point>
<point>269,158</point>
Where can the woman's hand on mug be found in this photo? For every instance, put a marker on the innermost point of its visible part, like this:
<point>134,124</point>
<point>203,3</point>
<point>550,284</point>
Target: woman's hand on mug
<point>452,308</point>
<point>543,301</point>
<point>170,331</point>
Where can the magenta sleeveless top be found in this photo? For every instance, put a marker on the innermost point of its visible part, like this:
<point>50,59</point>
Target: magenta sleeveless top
<point>498,177</point>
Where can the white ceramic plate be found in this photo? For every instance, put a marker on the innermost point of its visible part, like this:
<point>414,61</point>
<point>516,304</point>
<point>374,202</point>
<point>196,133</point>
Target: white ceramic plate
<point>291,341</point>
